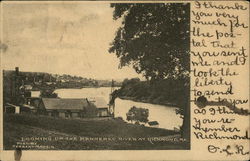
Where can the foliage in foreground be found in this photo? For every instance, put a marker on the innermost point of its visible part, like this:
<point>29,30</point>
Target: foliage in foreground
<point>139,115</point>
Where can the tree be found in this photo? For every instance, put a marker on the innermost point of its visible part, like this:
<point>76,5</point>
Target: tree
<point>154,39</point>
<point>138,115</point>
<point>150,36</point>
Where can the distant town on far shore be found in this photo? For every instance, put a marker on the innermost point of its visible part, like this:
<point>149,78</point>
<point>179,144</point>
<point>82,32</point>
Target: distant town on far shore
<point>37,80</point>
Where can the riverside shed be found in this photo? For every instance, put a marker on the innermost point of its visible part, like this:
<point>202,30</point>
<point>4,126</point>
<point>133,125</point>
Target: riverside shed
<point>68,108</point>
<point>101,105</point>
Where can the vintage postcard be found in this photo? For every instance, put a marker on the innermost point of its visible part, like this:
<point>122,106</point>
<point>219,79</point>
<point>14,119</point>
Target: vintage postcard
<point>124,80</point>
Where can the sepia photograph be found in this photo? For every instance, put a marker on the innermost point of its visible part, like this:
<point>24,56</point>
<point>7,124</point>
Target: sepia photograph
<point>95,75</point>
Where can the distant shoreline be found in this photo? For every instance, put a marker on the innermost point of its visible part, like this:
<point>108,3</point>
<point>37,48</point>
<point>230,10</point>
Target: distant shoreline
<point>146,101</point>
<point>84,87</point>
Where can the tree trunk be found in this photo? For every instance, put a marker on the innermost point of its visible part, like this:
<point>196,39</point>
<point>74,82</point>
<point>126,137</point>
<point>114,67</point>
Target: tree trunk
<point>185,132</point>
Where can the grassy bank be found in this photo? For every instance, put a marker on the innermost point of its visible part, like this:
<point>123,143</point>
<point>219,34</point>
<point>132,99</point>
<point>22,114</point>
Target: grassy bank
<point>118,134</point>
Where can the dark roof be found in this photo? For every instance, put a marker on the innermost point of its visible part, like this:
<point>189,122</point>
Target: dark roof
<point>153,123</point>
<point>64,104</point>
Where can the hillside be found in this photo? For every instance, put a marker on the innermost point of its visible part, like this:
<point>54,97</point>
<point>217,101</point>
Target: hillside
<point>41,80</point>
<point>21,126</point>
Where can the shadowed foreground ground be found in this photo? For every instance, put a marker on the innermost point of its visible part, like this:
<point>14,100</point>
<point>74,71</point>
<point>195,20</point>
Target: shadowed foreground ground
<point>75,134</point>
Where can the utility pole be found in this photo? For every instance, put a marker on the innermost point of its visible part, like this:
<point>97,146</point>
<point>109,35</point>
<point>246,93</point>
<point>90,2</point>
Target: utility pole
<point>112,100</point>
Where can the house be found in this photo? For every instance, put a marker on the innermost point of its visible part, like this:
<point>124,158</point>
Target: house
<point>32,98</point>
<point>10,108</point>
<point>35,93</point>
<point>33,101</point>
<point>24,108</point>
<point>153,123</point>
<point>27,87</point>
<point>49,83</point>
<point>32,94</point>
<point>67,108</point>
<point>101,105</point>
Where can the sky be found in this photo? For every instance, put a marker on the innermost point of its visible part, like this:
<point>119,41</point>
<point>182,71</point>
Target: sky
<point>61,38</point>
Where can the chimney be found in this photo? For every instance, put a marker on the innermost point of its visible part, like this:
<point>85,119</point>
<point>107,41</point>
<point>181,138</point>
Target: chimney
<point>17,71</point>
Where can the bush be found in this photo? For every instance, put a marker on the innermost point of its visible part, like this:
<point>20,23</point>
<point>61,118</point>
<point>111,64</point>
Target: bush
<point>138,115</point>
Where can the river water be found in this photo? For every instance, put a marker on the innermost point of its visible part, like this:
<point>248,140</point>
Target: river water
<point>164,115</point>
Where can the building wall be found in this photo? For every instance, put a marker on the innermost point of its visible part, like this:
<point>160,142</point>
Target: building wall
<point>62,114</point>
<point>68,114</point>
<point>35,93</point>
<point>75,115</point>
<point>50,113</point>
<point>102,112</point>
<point>54,113</point>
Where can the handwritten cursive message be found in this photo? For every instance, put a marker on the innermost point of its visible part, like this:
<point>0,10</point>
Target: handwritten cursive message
<point>220,77</point>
